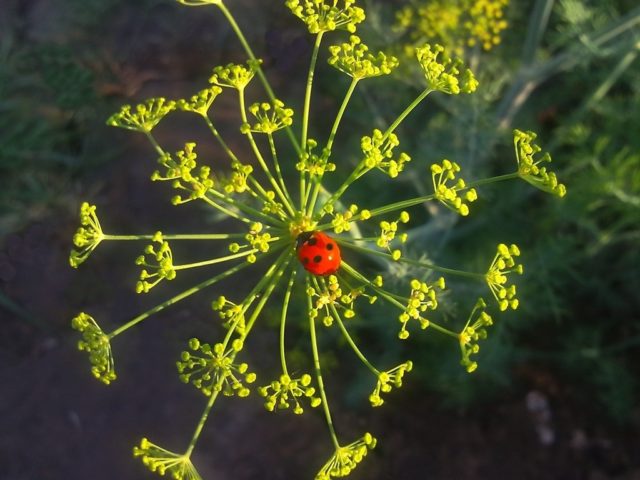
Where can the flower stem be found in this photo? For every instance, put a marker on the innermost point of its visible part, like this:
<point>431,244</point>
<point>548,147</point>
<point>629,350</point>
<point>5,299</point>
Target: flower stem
<point>221,141</point>
<point>406,112</point>
<point>332,135</point>
<point>203,419</point>
<point>199,236</point>
<point>176,299</point>
<point>307,96</point>
<point>261,75</point>
<point>316,363</point>
<point>274,154</point>
<point>155,143</point>
<point>409,261</point>
<point>213,261</point>
<point>358,276</point>
<point>260,158</point>
<point>283,321</point>
<point>348,337</point>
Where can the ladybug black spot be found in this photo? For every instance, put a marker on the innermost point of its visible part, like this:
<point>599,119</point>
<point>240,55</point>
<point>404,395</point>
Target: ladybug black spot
<point>317,259</point>
<point>312,241</point>
<point>329,246</point>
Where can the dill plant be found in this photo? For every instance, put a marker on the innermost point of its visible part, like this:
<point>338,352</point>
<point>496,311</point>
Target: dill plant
<point>272,215</point>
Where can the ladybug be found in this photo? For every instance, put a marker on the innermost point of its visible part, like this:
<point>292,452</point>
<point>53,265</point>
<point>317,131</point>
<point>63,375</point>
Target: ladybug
<point>318,253</point>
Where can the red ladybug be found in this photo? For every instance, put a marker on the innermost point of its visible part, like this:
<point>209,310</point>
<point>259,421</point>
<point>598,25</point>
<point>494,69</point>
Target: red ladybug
<point>318,253</point>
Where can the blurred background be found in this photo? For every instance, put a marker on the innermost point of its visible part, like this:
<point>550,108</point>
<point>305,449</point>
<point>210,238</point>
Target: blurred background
<point>556,393</point>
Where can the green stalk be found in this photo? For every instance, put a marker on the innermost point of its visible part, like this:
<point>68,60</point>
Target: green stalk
<point>316,363</point>
<point>155,144</point>
<point>358,276</point>
<point>199,236</point>
<point>307,96</point>
<point>176,299</point>
<point>213,261</point>
<point>332,135</point>
<point>220,140</point>
<point>274,155</point>
<point>225,210</point>
<point>347,336</point>
<point>203,420</point>
<point>261,75</point>
<point>406,112</point>
<point>260,158</point>
<point>409,261</point>
<point>283,321</point>
<point>269,220</point>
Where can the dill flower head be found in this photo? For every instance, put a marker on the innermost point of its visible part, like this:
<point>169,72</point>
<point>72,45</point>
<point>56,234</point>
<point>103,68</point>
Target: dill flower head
<point>304,242</point>
<point>456,24</point>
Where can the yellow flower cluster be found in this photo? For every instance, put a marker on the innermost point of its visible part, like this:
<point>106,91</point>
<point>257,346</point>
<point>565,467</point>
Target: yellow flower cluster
<point>378,153</point>
<point>472,333</point>
<point>387,381</point>
<point>182,171</point>
<point>346,458</point>
<point>286,392</point>
<point>503,264</point>
<point>443,73</point>
<point>529,168</point>
<point>144,117</point>
<point>423,297</point>
<point>271,117</point>
<point>456,24</point>
<point>162,268</point>
<point>354,59</point>
<point>234,75</point>
<point>448,194</point>
<point>215,370</point>
<point>323,16</point>
<point>162,461</point>
<point>96,343</point>
<point>87,237</point>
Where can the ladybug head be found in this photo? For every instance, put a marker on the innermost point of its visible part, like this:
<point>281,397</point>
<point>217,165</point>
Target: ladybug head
<point>303,237</point>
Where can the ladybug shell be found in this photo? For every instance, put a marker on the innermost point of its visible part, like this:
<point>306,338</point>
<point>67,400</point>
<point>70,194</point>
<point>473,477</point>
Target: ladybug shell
<point>318,253</point>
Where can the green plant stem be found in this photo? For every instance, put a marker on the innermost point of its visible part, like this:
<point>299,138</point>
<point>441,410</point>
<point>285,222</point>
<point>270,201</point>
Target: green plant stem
<point>283,321</point>
<point>155,144</point>
<point>278,267</point>
<point>392,207</point>
<point>220,140</point>
<point>214,261</point>
<point>351,343</point>
<point>176,299</point>
<point>343,107</point>
<point>226,211</point>
<point>199,236</point>
<point>261,75</point>
<point>274,280</point>
<point>409,261</point>
<point>307,95</point>
<point>260,158</point>
<point>338,193</point>
<point>316,363</point>
<point>203,419</point>
<point>276,164</point>
<point>243,208</point>
<point>406,112</point>
<point>383,293</point>
<point>359,171</point>
<point>332,135</point>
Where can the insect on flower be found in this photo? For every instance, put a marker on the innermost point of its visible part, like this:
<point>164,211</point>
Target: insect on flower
<point>318,253</point>
<point>280,220</point>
